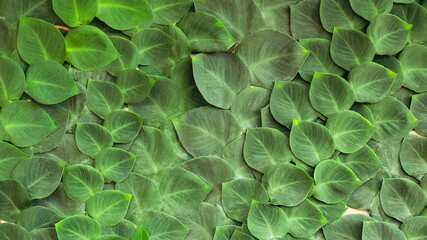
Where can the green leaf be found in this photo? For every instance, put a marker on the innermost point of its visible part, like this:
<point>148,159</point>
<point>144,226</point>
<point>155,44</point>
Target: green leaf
<point>225,232</point>
<point>311,142</point>
<point>135,85</point>
<point>220,77</point>
<point>75,12</point>
<point>413,155</point>
<point>364,162</point>
<point>82,181</point>
<point>128,58</point>
<point>371,9</point>
<point>37,218</point>
<point>334,181</point>
<point>331,212</point>
<point>237,235</point>
<point>89,48</point>
<point>205,32</point>
<point>276,14</point>
<point>266,147</point>
<point>140,234</point>
<point>338,13</point>
<point>108,207</point>
<point>394,65</point>
<point>49,83</point>
<point>44,234</point>
<point>25,123</point>
<point>418,105</point>
<point>319,59</point>
<point>162,226</point>
<point>287,184</point>
<point>371,82</point>
<point>233,154</point>
<point>271,55</point>
<point>8,41</point>
<point>267,120</point>
<point>330,93</point>
<point>304,219</point>
<point>401,198</point>
<point>181,190</point>
<point>10,156</point>
<point>267,221</point>
<point>211,169</point>
<point>350,48</point>
<point>123,15</point>
<point>40,40</point>
<point>103,97</point>
<point>123,125</point>
<point>12,81</point>
<point>168,12</point>
<point>389,34</point>
<point>305,20</point>
<point>350,130</point>
<point>239,23</point>
<point>238,194</point>
<point>381,230</point>
<point>414,14</point>
<point>91,138</point>
<point>112,237</point>
<point>206,131</point>
<point>414,67</point>
<point>145,195</point>
<point>414,228</point>
<point>392,119</point>
<point>78,227</point>
<point>153,45</point>
<point>124,228</point>
<point>347,227</point>
<point>114,164</point>
<point>39,175</point>
<point>289,100</point>
<point>13,199</point>
<point>13,231</point>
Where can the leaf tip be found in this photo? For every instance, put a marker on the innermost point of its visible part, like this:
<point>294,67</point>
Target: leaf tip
<point>295,122</point>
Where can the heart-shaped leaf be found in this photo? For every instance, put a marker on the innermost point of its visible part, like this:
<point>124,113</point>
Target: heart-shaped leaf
<point>267,221</point>
<point>75,12</point>
<point>129,56</point>
<point>103,97</point>
<point>114,164</point>
<point>153,45</point>
<point>82,181</point>
<point>123,125</point>
<point>12,81</point>
<point>414,68</point>
<point>91,138</point>
<point>413,155</point>
<point>304,219</point>
<point>135,85</point>
<point>76,227</point>
<point>108,207</point>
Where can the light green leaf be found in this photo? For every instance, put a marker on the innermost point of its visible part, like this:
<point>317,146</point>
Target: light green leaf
<point>82,181</point>
<point>168,12</point>
<point>311,142</point>
<point>114,164</point>
<point>271,56</point>
<point>103,97</point>
<point>91,138</point>
<point>108,207</point>
<point>418,106</point>
<point>305,20</point>
<point>287,184</point>
<point>414,67</point>
<point>338,13</point>
<point>162,226</point>
<point>413,155</point>
<point>40,40</point>
<point>414,228</point>
<point>266,147</point>
<point>350,48</point>
<point>211,169</point>
<point>401,198</point>
<point>10,156</point>
<point>123,15</point>
<point>140,234</point>
<point>78,227</point>
<point>267,221</point>
<point>225,232</point>
<point>304,219</point>
<point>75,12</point>
<point>12,81</point>
<point>334,181</point>
<point>364,162</point>
<point>381,230</point>
<point>330,93</point>
<point>347,227</point>
<point>128,58</point>
<point>416,15</point>
<point>153,45</point>
<point>13,231</point>
<point>89,48</point>
<point>135,85</point>
<point>371,9</point>
<point>25,123</point>
<point>13,199</point>
<point>38,218</point>
<point>123,125</point>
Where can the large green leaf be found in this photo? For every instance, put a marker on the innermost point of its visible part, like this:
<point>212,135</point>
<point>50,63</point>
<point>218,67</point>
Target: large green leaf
<point>371,9</point>
<point>89,48</point>
<point>381,230</point>
<point>128,59</point>
<point>115,164</point>
<point>347,227</point>
<point>37,218</point>
<point>401,198</point>
<point>145,195</point>
<point>12,81</point>
<point>266,147</point>
<point>25,123</point>
<point>75,12</point>
<point>305,20</point>
<point>220,77</point>
<point>338,13</point>
<point>40,40</point>
<point>389,34</point>
<point>123,15</point>
<point>304,219</point>
<point>350,48</point>
<point>364,162</point>
<point>413,155</point>
<point>49,83</point>
<point>414,67</point>
<point>271,56</point>
<point>82,181</point>
<point>169,11</point>
<point>414,228</point>
<point>10,156</point>
<point>289,101</point>
<point>162,226</point>
<point>206,130</point>
<point>13,199</point>
<point>334,181</point>
<point>238,194</point>
<point>330,93</point>
<point>91,138</point>
<point>350,130</point>
<point>205,32</point>
<point>135,85</point>
<point>13,231</point>
<point>371,82</point>
<point>267,221</point>
<point>311,142</point>
<point>153,44</point>
<point>39,175</point>
<point>123,125</point>
<point>78,227</point>
<point>418,105</point>
<point>414,14</point>
<point>287,184</point>
<point>108,207</point>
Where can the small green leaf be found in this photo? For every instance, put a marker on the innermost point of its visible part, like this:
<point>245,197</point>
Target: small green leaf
<point>103,97</point>
<point>128,58</point>
<point>304,219</point>
<point>108,207</point>
<point>123,15</point>
<point>82,181</point>
<point>364,162</point>
<point>114,164</point>
<point>78,227</point>
<point>135,85</point>
<point>91,138</point>
<point>153,45</point>
<point>123,125</point>
<point>267,221</point>
<point>338,13</point>
<point>12,81</point>
<point>413,155</point>
<point>414,67</point>
<point>75,12</point>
